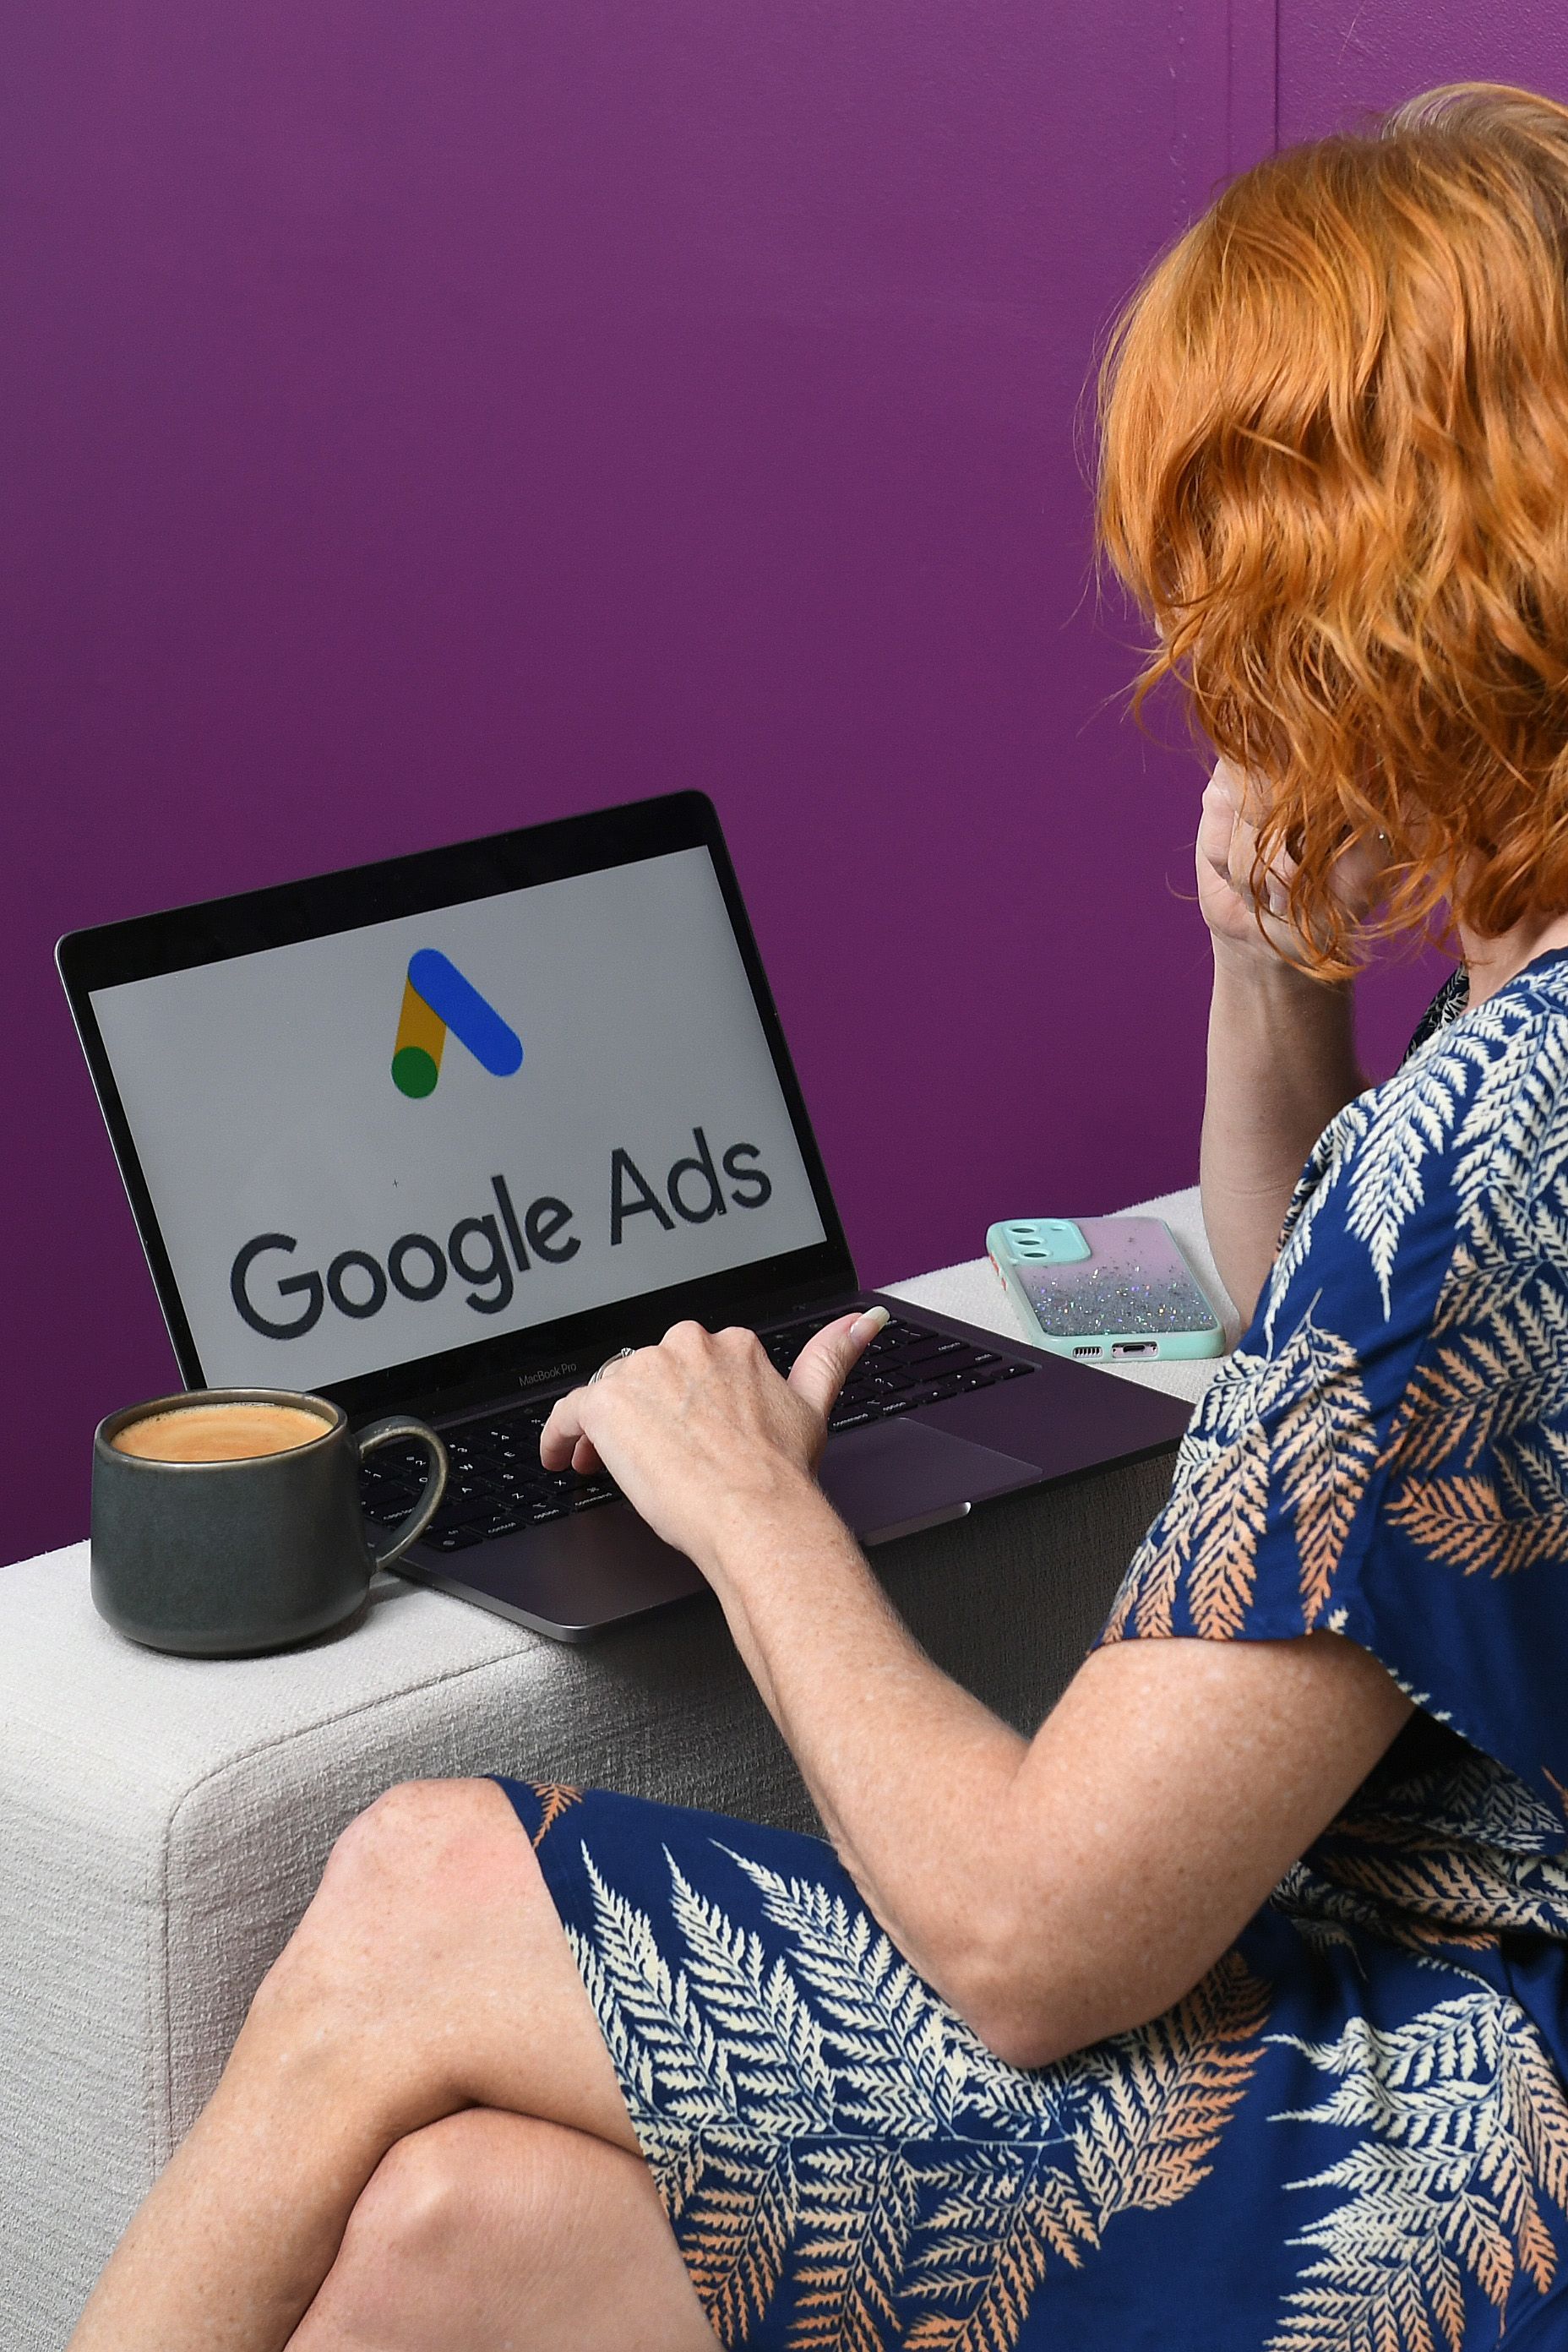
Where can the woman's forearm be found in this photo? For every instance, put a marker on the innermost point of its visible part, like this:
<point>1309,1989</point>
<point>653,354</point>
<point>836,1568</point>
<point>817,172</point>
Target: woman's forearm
<point>910,1774</point>
<point>1281,1062</point>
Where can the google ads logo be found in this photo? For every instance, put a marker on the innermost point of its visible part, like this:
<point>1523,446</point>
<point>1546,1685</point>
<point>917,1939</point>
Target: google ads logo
<point>435,998</point>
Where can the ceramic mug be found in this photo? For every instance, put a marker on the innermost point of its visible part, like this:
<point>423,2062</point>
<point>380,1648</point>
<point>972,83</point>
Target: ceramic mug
<point>229,1553</point>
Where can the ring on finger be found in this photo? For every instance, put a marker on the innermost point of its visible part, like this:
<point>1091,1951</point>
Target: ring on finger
<point>618,1358</point>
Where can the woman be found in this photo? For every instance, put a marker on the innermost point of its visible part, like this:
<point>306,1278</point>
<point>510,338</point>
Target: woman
<point>1232,2009</point>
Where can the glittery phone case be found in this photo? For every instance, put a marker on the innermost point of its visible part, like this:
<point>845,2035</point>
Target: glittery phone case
<point>1105,1286</point>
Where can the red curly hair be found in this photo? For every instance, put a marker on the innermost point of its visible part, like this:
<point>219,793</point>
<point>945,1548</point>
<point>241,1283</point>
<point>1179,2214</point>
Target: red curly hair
<point>1334,470</point>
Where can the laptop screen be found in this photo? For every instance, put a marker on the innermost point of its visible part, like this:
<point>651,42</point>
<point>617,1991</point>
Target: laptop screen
<point>379,1145</point>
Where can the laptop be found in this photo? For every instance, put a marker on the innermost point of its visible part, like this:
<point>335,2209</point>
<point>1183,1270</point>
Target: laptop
<point>441,1134</point>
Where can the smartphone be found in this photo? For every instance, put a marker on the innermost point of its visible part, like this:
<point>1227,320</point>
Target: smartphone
<point>1107,1286</point>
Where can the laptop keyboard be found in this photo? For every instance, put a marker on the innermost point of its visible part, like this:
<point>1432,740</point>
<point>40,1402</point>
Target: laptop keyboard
<point>496,1484</point>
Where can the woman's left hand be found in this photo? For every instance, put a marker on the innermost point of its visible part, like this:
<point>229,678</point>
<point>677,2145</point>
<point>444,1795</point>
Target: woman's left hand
<point>702,1425</point>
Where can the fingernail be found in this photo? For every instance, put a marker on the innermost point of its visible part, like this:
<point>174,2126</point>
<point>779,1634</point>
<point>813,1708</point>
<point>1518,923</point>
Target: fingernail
<point>866,1325</point>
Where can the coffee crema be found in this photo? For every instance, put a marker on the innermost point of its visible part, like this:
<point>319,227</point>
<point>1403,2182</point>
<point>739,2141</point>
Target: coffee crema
<point>219,1433</point>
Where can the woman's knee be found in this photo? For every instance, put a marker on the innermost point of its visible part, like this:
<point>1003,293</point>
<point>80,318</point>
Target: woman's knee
<point>427,2195</point>
<point>453,2215</point>
<point>427,1855</point>
<point>421,1829</point>
<point>431,1974</point>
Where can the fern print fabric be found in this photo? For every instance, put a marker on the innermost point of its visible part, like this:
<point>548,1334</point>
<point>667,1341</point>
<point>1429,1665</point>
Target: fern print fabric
<point>1385,1455</point>
<point>1352,2136</point>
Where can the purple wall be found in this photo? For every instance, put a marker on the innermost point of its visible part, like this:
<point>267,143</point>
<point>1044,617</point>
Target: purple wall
<point>432,415</point>
<point>1337,58</point>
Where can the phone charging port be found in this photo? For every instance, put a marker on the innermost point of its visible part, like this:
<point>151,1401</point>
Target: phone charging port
<point>1135,1347</point>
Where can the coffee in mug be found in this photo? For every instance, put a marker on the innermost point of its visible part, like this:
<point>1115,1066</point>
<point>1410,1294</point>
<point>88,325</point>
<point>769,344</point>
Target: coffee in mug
<point>218,1432</point>
<point>228,1521</point>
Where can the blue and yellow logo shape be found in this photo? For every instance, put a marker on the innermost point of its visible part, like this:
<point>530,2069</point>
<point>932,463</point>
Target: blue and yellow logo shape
<point>435,998</point>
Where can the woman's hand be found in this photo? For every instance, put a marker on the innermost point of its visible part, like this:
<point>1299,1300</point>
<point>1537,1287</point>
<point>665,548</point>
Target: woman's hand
<point>1245,925</point>
<point>702,1426</point>
<point>1226,856</point>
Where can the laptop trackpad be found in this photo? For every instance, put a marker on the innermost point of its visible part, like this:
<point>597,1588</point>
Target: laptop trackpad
<point>898,1476</point>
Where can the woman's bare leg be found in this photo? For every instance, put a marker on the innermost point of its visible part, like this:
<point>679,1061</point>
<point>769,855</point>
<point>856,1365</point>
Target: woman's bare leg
<point>490,2231</point>
<point>430,1974</point>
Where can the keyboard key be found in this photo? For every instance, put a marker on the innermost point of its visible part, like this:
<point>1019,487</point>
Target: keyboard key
<point>474,1512</point>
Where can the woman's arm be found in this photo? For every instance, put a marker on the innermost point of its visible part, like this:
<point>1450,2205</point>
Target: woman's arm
<point>1281,1050</point>
<point>1281,1062</point>
<point>1054,1890</point>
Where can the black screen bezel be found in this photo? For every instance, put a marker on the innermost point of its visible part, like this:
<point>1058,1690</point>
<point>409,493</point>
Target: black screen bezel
<point>217,929</point>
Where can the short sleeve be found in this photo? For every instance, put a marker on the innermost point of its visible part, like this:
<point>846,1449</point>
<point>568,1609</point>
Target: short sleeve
<point>1385,1454</point>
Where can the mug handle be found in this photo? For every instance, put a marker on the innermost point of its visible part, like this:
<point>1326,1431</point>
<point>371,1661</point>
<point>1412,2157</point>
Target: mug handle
<point>409,1531</point>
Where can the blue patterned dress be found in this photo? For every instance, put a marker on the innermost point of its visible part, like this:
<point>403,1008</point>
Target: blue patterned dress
<point>1352,2135</point>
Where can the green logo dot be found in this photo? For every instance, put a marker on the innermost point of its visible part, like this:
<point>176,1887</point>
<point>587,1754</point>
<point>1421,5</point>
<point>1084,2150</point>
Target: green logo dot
<point>413,1072</point>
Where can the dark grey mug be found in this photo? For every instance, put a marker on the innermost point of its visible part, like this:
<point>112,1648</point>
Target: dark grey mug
<point>226,1558</point>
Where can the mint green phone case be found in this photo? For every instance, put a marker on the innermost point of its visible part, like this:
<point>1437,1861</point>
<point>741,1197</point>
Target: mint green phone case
<point>1105,1288</point>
